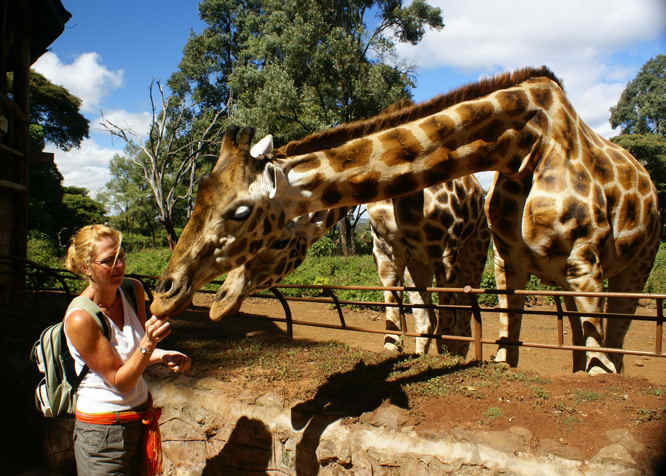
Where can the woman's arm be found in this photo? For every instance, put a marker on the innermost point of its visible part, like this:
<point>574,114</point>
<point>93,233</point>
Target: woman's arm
<point>98,353</point>
<point>176,361</point>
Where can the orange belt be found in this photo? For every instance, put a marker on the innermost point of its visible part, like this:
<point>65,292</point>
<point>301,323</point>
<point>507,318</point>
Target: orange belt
<point>152,441</point>
<point>108,418</point>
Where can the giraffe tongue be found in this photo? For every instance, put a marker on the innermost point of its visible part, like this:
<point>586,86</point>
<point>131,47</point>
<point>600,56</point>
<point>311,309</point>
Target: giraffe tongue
<point>229,296</point>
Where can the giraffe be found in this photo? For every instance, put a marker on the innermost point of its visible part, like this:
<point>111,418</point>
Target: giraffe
<point>445,235</point>
<point>273,263</point>
<point>565,205</point>
<point>440,232</point>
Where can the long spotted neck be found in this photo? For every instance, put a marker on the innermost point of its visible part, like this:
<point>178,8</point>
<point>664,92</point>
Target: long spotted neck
<point>501,131</point>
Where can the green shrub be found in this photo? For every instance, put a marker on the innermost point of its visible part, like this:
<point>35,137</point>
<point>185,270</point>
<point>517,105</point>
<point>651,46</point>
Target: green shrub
<point>41,250</point>
<point>324,246</point>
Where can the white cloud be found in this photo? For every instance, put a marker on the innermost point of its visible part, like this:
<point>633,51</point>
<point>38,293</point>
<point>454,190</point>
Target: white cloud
<point>86,77</point>
<point>137,123</point>
<point>575,39</point>
<point>492,35</point>
<point>87,166</point>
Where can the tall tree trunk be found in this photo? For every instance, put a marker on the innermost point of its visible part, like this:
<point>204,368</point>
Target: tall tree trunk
<point>346,237</point>
<point>342,229</point>
<point>172,237</point>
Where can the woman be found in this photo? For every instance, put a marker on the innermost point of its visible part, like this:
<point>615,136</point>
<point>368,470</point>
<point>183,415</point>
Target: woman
<point>113,399</point>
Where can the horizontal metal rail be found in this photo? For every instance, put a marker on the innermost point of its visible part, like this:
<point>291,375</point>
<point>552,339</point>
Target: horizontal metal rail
<point>476,310</point>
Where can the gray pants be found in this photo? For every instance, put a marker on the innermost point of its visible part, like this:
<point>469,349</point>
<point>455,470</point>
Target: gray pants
<point>108,449</point>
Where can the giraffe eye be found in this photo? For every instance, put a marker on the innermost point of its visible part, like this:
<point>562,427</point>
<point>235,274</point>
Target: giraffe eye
<point>241,213</point>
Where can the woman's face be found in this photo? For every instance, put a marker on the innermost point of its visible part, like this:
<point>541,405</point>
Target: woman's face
<point>107,265</point>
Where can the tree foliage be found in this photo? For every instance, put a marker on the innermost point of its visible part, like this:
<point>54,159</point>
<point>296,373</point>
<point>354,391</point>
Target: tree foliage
<point>54,114</point>
<point>292,67</point>
<point>642,105</point>
<point>54,117</point>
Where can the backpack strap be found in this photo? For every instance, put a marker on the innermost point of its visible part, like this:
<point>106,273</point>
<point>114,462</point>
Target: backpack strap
<point>129,289</point>
<point>88,305</point>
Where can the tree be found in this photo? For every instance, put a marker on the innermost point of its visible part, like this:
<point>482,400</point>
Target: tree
<point>313,64</point>
<point>80,210</point>
<point>642,105</point>
<point>128,195</point>
<point>54,117</point>
<point>170,156</point>
<point>54,114</point>
<point>292,67</point>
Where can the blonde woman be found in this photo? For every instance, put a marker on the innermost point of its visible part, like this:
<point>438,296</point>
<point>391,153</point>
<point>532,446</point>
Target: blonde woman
<point>114,413</point>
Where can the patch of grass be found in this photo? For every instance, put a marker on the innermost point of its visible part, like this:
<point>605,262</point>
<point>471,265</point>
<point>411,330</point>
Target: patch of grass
<point>540,395</point>
<point>657,392</point>
<point>493,412</point>
<point>586,396</point>
<point>656,282</point>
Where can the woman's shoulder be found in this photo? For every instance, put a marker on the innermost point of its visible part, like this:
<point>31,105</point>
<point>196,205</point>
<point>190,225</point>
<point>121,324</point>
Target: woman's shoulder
<point>80,320</point>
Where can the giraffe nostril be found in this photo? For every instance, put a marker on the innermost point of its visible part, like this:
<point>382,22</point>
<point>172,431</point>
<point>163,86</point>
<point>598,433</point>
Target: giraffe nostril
<point>165,286</point>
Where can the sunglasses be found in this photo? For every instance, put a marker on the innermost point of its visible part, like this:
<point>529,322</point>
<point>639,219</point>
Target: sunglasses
<point>112,260</point>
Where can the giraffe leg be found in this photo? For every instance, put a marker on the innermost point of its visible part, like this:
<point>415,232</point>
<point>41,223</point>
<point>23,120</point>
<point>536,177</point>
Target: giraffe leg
<point>390,274</point>
<point>509,322</point>
<point>425,320</point>
<point>577,335</point>
<point>584,274</point>
<point>452,321</point>
<point>616,329</point>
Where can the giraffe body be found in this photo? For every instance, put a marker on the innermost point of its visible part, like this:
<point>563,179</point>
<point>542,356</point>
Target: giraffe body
<point>438,233</point>
<point>566,204</point>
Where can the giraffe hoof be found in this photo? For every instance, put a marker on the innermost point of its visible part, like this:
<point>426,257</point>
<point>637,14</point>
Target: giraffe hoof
<point>390,347</point>
<point>597,367</point>
<point>597,371</point>
<point>500,356</point>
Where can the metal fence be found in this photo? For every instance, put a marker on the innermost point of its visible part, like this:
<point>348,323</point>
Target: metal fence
<point>43,278</point>
<point>477,339</point>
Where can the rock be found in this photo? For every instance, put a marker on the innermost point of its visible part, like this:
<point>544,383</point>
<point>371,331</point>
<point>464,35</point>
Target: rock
<point>614,454</point>
<point>623,437</point>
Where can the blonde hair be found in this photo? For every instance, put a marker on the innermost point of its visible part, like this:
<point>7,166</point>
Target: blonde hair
<point>82,246</point>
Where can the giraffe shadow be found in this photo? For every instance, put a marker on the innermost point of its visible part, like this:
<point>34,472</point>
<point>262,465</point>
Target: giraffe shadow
<point>248,451</point>
<point>351,394</point>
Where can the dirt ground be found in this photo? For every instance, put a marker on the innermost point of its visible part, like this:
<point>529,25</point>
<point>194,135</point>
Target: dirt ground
<point>574,415</point>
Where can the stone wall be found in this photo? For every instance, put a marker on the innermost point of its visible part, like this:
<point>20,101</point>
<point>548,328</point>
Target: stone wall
<point>212,428</point>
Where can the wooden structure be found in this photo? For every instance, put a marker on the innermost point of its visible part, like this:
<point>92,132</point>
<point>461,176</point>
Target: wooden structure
<point>27,28</point>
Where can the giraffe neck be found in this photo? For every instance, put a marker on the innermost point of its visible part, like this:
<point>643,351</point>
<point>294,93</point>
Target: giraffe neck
<point>498,132</point>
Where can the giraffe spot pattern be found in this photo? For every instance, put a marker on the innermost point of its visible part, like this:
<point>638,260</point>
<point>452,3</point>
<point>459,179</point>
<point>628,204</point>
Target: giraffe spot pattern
<point>471,114</point>
<point>512,101</point>
<point>579,179</point>
<point>353,155</point>
<point>306,164</point>
<point>437,128</point>
<point>331,196</point>
<point>400,146</point>
<point>402,184</point>
<point>542,97</point>
<point>629,211</point>
<point>365,186</point>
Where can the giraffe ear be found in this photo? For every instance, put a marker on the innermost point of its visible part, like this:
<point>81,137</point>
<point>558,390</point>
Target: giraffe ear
<point>262,148</point>
<point>274,180</point>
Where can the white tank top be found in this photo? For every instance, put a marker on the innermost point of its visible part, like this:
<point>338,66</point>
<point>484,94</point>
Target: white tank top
<point>94,394</point>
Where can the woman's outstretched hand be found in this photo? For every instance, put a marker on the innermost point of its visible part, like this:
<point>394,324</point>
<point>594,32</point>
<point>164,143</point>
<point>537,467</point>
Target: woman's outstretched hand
<point>176,361</point>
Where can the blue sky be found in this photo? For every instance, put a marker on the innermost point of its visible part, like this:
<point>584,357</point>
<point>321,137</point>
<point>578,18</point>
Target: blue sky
<point>111,51</point>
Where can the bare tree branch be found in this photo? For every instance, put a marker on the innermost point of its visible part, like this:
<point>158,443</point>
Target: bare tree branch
<point>170,155</point>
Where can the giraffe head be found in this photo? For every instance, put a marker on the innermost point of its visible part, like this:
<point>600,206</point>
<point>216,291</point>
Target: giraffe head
<point>231,221</point>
